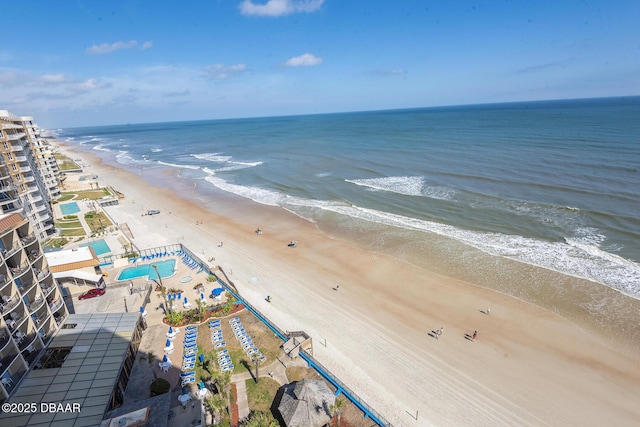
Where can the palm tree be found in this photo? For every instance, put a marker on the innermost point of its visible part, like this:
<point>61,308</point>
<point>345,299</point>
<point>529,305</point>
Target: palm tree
<point>150,358</point>
<point>260,419</point>
<point>217,405</point>
<point>223,385</point>
<point>256,360</point>
<point>336,407</point>
<point>163,290</point>
<point>200,309</point>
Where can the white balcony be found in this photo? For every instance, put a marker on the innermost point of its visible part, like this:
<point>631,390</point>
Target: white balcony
<point>15,136</point>
<point>10,126</point>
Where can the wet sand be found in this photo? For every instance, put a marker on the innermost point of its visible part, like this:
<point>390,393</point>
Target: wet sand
<point>527,366</point>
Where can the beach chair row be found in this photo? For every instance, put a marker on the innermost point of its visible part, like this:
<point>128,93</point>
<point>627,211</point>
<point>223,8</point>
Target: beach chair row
<point>189,356</point>
<point>224,360</point>
<point>191,263</point>
<point>154,256</point>
<point>245,339</point>
<point>188,378</point>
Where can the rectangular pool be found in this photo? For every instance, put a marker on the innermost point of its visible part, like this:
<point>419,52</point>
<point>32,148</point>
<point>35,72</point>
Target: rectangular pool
<point>69,208</point>
<point>165,269</point>
<point>99,247</point>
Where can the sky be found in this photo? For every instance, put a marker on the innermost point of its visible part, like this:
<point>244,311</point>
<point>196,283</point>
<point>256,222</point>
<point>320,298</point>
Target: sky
<point>84,62</point>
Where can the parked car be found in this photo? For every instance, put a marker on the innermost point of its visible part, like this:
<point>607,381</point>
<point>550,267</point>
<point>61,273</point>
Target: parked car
<point>153,212</point>
<point>92,293</point>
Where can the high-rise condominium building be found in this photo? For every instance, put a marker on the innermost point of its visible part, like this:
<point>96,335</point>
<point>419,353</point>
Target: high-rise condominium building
<point>30,300</point>
<point>28,176</point>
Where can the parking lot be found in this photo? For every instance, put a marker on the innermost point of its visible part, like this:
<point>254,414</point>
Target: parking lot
<point>115,300</point>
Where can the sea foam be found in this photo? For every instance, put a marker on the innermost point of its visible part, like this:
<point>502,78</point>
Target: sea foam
<point>176,165</point>
<point>406,185</point>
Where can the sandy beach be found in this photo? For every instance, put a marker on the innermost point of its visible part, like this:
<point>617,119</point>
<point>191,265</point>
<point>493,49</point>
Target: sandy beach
<point>527,366</point>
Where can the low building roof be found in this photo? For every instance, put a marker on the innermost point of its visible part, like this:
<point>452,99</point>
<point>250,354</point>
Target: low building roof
<point>72,259</point>
<point>86,358</point>
<point>306,403</point>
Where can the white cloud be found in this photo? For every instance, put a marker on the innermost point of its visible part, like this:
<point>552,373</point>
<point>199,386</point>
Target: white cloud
<point>9,79</point>
<point>88,85</point>
<point>221,71</point>
<point>306,59</point>
<point>279,7</point>
<point>393,72</point>
<point>99,49</point>
<point>146,45</point>
<point>52,78</point>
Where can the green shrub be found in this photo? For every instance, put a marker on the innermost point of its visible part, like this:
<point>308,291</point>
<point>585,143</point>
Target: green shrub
<point>175,317</point>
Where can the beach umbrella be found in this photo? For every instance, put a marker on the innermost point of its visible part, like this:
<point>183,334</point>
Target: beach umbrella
<point>169,296</point>
<point>168,343</point>
<point>202,358</point>
<point>217,291</point>
<point>179,295</point>
<point>185,300</point>
<point>141,309</point>
<point>164,358</point>
<point>201,295</point>
<point>170,329</point>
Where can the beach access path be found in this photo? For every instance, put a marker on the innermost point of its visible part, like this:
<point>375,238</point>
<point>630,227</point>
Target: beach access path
<point>528,366</point>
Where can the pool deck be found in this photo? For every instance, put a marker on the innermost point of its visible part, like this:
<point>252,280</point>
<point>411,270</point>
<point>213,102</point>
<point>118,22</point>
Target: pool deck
<point>112,237</point>
<point>146,277</point>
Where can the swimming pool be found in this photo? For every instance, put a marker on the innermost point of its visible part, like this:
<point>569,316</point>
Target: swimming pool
<point>165,269</point>
<point>69,208</point>
<point>99,247</point>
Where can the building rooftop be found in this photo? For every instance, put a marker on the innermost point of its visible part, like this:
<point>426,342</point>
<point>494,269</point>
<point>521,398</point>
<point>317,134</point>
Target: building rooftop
<point>72,259</point>
<point>79,370</point>
<point>10,220</point>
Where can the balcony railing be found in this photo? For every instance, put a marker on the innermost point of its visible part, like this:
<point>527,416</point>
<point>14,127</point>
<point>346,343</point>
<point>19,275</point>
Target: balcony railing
<point>7,252</point>
<point>4,338</point>
<point>41,274</point>
<point>36,304</point>
<point>46,290</point>
<point>14,322</point>
<point>10,303</point>
<point>28,239</point>
<point>56,305</point>
<point>5,125</point>
<point>18,270</point>
<point>3,280</point>
<point>39,320</point>
<point>15,136</point>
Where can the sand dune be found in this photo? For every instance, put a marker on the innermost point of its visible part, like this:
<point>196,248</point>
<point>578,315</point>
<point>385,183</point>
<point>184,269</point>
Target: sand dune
<point>526,367</point>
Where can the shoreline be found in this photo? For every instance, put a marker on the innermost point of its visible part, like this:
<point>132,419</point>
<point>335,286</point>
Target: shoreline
<point>385,354</point>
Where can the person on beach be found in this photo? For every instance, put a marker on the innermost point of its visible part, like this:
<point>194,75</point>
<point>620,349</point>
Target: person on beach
<point>475,334</point>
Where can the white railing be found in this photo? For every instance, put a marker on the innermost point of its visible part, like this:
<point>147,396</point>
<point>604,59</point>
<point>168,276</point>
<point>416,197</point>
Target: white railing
<point>15,136</point>
<point>56,305</point>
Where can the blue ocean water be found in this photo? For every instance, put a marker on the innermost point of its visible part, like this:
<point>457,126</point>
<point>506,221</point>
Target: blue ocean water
<point>554,184</point>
